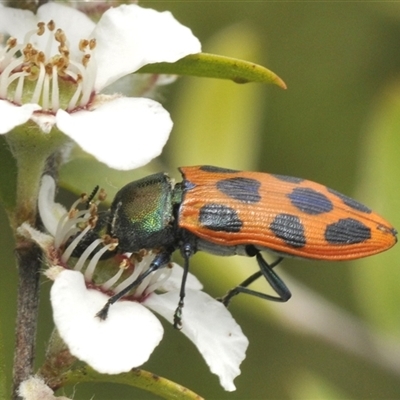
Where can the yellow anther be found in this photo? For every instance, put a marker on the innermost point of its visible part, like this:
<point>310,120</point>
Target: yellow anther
<point>92,44</point>
<point>51,25</point>
<point>93,208</point>
<point>27,50</point>
<point>102,195</point>
<point>124,264</point>
<point>63,49</point>
<point>111,242</point>
<point>85,60</point>
<point>61,63</point>
<point>40,58</point>
<point>83,198</point>
<point>72,213</point>
<point>92,221</point>
<point>60,36</point>
<point>11,42</point>
<point>48,68</point>
<point>41,28</point>
<point>83,43</point>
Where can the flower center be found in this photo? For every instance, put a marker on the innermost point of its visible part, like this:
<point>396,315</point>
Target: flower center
<point>110,276</point>
<point>39,74</point>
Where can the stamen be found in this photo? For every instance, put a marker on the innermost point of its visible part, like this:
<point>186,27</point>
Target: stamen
<point>45,68</point>
<point>68,251</point>
<point>41,29</point>
<point>85,255</point>
<point>142,286</point>
<point>90,77</point>
<point>83,43</point>
<point>12,47</point>
<point>29,34</point>
<point>93,262</point>
<point>20,88</point>
<point>74,99</point>
<point>138,270</point>
<point>39,85</point>
<point>92,44</point>
<point>4,77</point>
<point>50,39</point>
<point>112,281</point>
<point>51,26</point>
<point>60,37</point>
<point>159,280</point>
<point>67,225</point>
<point>46,91</point>
<point>55,93</point>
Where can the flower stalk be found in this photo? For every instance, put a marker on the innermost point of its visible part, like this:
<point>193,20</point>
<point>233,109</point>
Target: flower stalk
<point>28,256</point>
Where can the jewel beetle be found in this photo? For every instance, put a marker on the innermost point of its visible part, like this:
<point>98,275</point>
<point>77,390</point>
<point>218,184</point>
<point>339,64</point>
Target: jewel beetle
<point>227,212</point>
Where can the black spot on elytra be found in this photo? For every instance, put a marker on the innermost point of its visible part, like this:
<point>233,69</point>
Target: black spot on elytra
<point>290,179</point>
<point>245,190</point>
<point>310,201</point>
<point>210,168</point>
<point>218,217</point>
<point>290,229</point>
<point>347,231</point>
<point>351,202</point>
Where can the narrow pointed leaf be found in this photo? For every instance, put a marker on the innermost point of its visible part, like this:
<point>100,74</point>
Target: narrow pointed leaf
<point>137,378</point>
<point>215,66</point>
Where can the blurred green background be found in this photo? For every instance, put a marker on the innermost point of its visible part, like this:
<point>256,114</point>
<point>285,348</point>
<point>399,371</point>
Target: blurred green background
<point>338,123</point>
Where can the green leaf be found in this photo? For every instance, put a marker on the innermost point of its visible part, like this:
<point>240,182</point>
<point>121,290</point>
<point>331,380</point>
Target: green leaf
<point>219,123</point>
<point>137,378</point>
<point>215,66</point>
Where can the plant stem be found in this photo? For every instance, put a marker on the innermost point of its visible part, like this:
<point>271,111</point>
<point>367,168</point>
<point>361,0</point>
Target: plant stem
<point>28,257</point>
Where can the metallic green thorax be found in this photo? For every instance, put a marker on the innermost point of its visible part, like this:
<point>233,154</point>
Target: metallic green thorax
<point>142,214</point>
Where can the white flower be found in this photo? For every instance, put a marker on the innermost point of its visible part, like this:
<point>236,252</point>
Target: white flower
<point>55,64</point>
<point>129,334</point>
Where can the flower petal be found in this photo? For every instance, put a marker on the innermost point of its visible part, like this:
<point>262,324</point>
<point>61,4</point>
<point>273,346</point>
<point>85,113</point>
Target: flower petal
<point>175,279</point>
<point>145,35</point>
<point>211,327</point>
<point>125,133</point>
<point>16,22</point>
<point>62,15</point>
<point>50,211</point>
<point>12,115</point>
<point>123,341</point>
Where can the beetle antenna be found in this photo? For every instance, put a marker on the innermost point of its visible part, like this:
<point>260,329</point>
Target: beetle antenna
<point>91,196</point>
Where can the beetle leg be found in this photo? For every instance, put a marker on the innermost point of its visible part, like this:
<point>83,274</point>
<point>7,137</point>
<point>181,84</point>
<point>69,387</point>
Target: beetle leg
<point>187,252</point>
<point>273,279</point>
<point>159,261</point>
